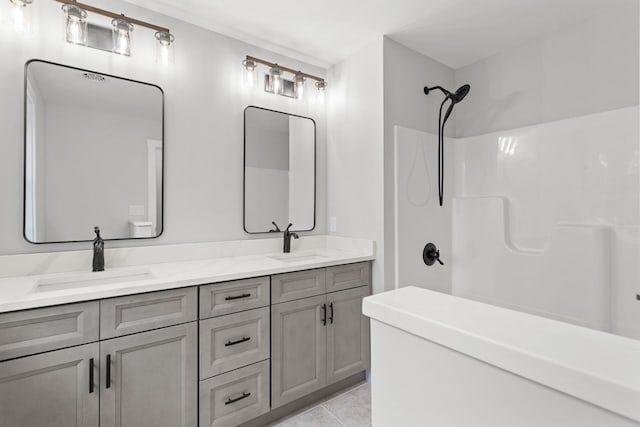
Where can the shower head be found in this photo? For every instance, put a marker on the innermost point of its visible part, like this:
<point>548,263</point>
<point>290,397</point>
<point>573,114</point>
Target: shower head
<point>460,93</point>
<point>455,97</point>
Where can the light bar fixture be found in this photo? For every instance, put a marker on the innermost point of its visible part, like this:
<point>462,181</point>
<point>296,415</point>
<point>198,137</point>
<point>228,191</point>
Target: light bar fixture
<point>274,81</point>
<point>79,32</point>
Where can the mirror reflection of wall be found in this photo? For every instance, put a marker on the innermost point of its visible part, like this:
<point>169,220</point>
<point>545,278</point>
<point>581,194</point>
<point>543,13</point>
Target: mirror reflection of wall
<point>279,171</point>
<point>93,155</point>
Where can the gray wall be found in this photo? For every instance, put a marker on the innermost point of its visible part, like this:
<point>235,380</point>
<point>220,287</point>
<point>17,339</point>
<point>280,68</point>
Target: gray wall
<point>587,68</point>
<point>204,122</point>
<point>355,150</point>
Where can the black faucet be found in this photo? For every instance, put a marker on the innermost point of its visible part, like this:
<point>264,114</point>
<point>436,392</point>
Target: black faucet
<point>287,239</point>
<point>98,251</point>
<point>276,229</point>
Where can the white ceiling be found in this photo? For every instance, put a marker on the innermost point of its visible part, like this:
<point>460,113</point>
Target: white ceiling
<point>454,32</point>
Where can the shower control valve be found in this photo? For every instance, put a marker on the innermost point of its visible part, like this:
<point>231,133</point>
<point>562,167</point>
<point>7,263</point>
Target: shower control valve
<point>431,254</point>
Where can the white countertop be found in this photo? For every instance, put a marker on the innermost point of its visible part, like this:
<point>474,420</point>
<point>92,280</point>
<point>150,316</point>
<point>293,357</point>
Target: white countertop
<point>26,291</point>
<point>594,366</point>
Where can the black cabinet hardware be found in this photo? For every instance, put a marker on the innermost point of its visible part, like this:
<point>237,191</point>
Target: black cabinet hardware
<point>108,380</point>
<point>241,340</point>
<point>324,314</point>
<point>231,298</point>
<point>331,313</point>
<point>91,375</point>
<point>230,400</point>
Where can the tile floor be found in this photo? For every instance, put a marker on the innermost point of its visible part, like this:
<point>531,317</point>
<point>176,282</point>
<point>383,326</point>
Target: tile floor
<point>349,408</point>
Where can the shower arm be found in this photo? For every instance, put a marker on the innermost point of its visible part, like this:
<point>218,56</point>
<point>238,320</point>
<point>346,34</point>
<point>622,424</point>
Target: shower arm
<point>428,89</point>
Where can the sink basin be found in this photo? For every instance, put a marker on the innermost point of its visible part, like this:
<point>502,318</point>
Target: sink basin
<point>299,257</point>
<point>101,278</point>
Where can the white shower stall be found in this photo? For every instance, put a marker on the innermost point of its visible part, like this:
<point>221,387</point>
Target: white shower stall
<point>542,206</point>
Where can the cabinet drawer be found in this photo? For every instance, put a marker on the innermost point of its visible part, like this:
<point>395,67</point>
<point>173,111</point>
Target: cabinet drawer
<point>43,329</point>
<point>224,298</point>
<point>232,341</point>
<point>235,397</point>
<point>297,285</point>
<point>348,276</point>
<point>143,312</point>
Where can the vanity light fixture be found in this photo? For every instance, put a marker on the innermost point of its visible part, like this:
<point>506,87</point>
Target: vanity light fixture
<point>75,24</point>
<point>249,72</point>
<point>321,86</point>
<point>78,31</point>
<point>299,80</point>
<point>275,75</point>
<point>21,15</point>
<point>275,83</point>
<point>164,48</point>
<point>121,36</point>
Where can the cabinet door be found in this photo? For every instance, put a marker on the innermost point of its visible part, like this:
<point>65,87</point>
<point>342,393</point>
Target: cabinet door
<point>347,334</point>
<point>150,379</point>
<point>51,389</point>
<point>298,349</point>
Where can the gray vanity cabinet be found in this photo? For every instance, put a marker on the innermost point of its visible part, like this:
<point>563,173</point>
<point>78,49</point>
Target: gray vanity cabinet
<point>298,350</point>
<point>317,341</point>
<point>150,378</point>
<point>51,389</point>
<point>347,334</point>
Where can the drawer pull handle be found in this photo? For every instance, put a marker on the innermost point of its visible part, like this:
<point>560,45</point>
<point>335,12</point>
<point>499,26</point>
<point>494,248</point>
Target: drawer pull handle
<point>324,314</point>
<point>241,340</point>
<point>331,315</point>
<point>230,400</point>
<point>108,374</point>
<point>231,298</point>
<point>91,375</point>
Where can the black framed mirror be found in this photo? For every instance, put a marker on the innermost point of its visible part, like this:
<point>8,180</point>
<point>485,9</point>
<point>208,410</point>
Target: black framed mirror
<point>279,171</point>
<point>93,155</point>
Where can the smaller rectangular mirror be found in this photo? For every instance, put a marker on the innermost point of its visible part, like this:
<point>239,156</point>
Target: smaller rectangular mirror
<point>94,149</point>
<point>279,171</point>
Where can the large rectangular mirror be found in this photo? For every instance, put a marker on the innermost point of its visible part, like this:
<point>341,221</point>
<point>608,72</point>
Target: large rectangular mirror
<point>94,150</point>
<point>279,170</point>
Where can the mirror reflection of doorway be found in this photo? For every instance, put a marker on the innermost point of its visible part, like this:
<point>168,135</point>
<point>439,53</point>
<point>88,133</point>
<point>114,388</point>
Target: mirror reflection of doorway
<point>154,183</point>
<point>30,223</point>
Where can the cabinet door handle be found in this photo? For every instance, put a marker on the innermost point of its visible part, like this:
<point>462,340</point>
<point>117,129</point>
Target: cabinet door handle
<point>230,400</point>
<point>324,314</point>
<point>91,375</point>
<point>331,313</point>
<point>231,298</point>
<point>241,340</point>
<point>108,380</point>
